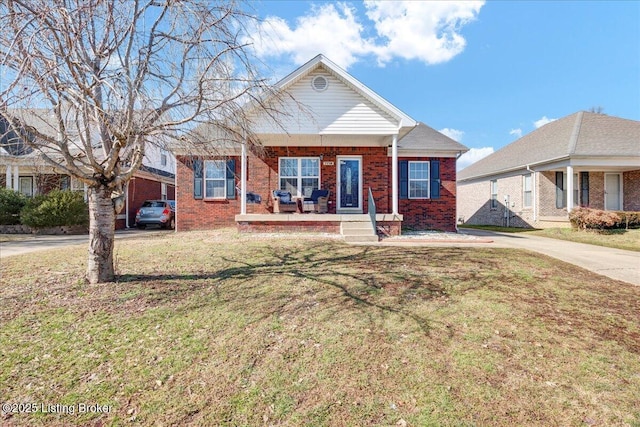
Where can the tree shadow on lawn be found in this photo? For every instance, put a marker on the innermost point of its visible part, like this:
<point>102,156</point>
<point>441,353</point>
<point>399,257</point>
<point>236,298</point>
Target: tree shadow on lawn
<point>385,279</point>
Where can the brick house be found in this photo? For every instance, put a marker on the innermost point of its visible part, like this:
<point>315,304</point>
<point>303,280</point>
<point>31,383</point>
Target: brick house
<point>527,184</point>
<point>348,140</point>
<point>27,172</point>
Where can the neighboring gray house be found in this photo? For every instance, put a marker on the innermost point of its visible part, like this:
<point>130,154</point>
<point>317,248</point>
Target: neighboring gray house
<point>584,159</point>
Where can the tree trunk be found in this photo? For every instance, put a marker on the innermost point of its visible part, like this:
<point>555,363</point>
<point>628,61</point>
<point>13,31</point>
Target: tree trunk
<point>102,221</point>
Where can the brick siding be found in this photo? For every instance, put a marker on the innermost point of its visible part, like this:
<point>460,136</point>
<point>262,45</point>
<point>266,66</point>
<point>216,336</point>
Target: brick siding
<point>262,179</point>
<point>631,190</point>
<point>431,214</point>
<point>474,203</point>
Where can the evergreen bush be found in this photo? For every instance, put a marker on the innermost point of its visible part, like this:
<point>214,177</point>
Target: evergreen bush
<point>11,203</point>
<point>57,208</point>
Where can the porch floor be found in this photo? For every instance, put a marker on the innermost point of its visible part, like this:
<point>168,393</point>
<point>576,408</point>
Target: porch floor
<point>312,217</point>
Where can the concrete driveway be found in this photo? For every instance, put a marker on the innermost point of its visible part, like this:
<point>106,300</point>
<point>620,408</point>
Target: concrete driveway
<point>614,263</point>
<point>32,243</point>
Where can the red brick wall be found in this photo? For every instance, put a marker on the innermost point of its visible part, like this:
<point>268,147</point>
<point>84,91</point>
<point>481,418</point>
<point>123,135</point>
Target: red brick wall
<point>631,188</point>
<point>195,214</point>
<point>432,214</point>
<point>262,179</point>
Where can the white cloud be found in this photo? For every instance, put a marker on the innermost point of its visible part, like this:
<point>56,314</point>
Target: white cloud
<point>454,134</point>
<point>516,132</point>
<point>424,31</point>
<point>543,121</point>
<point>472,156</point>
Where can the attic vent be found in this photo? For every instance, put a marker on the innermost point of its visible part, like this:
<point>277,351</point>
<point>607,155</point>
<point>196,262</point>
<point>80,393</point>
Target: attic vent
<point>319,83</point>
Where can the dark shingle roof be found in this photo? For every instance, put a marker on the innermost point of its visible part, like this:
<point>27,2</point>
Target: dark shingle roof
<point>580,134</point>
<point>424,137</point>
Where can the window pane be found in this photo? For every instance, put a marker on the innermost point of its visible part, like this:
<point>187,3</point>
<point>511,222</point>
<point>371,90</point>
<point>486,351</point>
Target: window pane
<point>527,183</point>
<point>215,188</point>
<point>214,170</point>
<point>418,170</point>
<point>288,167</point>
<point>308,185</point>
<point>290,185</point>
<point>418,189</point>
<point>310,167</point>
<point>527,198</point>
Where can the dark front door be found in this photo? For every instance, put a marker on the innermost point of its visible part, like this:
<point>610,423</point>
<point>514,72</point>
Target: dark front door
<point>350,183</point>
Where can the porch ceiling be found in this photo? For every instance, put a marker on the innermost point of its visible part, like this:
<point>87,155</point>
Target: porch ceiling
<point>307,140</point>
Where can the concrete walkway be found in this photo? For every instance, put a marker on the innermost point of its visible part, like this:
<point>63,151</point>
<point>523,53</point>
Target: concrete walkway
<point>614,263</point>
<point>32,243</point>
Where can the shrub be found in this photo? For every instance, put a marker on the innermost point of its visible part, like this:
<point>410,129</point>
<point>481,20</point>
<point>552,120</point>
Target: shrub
<point>594,219</point>
<point>629,219</point>
<point>56,208</point>
<point>11,203</point>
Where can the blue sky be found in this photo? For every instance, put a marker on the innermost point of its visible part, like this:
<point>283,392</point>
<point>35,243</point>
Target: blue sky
<point>483,73</point>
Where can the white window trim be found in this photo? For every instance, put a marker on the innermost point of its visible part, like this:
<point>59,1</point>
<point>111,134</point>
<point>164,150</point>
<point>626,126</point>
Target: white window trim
<point>223,179</point>
<point>491,193</point>
<point>428,180</point>
<point>524,191</point>
<point>299,176</point>
<point>163,191</point>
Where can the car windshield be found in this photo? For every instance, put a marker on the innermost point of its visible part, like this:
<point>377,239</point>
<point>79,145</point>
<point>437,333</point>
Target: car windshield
<point>153,204</point>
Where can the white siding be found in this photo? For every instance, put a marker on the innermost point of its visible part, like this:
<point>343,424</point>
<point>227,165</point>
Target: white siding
<point>337,110</point>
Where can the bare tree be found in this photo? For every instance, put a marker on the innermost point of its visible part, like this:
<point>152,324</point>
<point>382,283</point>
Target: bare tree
<point>91,83</point>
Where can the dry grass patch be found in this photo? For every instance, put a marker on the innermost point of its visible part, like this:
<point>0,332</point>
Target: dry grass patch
<point>226,329</point>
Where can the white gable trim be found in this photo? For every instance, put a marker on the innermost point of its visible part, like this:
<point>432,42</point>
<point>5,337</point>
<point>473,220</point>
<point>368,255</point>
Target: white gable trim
<point>403,119</point>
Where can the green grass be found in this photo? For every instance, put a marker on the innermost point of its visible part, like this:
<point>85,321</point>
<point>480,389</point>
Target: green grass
<point>216,328</point>
<point>619,239</point>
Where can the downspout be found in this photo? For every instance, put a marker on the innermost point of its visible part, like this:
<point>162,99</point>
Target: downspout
<point>534,193</point>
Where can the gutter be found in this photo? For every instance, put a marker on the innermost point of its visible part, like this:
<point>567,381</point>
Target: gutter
<point>515,168</point>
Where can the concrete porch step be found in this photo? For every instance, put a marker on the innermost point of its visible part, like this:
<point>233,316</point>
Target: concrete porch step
<point>358,230</point>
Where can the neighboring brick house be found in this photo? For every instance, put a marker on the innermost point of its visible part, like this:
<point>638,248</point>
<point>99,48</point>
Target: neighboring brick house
<point>27,172</point>
<point>600,153</point>
<point>348,140</point>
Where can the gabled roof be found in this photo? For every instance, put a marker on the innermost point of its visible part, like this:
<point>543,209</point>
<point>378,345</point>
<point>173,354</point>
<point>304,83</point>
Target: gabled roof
<point>581,134</point>
<point>423,137</point>
<point>349,80</point>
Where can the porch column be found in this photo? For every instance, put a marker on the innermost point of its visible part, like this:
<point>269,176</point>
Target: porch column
<point>569,188</point>
<point>16,178</point>
<point>243,179</point>
<point>8,177</point>
<point>394,175</point>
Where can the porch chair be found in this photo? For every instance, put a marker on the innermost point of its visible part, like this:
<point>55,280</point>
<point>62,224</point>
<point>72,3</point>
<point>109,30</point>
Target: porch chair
<point>317,202</point>
<point>282,202</point>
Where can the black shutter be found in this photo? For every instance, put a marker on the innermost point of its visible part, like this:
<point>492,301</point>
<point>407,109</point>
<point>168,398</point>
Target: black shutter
<point>197,178</point>
<point>231,179</point>
<point>403,182</point>
<point>559,190</point>
<point>434,179</point>
<point>584,188</point>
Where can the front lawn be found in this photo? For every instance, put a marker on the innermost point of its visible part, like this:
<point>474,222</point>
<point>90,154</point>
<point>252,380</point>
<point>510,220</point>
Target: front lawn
<point>216,328</point>
<point>619,239</point>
